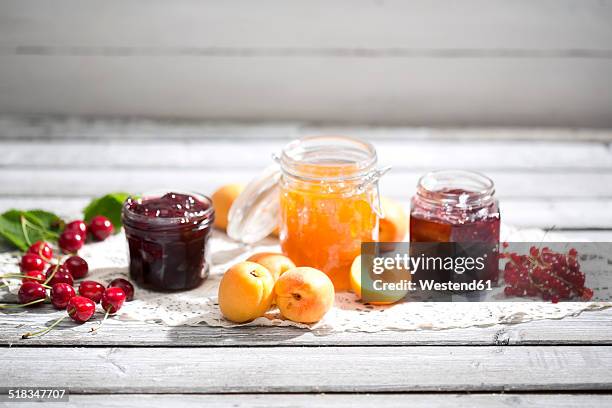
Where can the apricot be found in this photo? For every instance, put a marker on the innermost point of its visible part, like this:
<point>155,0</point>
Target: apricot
<point>304,294</point>
<point>246,292</point>
<point>394,226</point>
<point>364,289</point>
<point>222,200</point>
<point>276,263</point>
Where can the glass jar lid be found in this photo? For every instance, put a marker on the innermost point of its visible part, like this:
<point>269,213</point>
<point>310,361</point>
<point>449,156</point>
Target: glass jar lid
<point>255,212</point>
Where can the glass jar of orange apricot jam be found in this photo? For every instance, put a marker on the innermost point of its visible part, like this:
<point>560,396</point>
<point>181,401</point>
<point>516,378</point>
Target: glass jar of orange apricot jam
<point>328,203</point>
<point>323,195</point>
<point>458,206</point>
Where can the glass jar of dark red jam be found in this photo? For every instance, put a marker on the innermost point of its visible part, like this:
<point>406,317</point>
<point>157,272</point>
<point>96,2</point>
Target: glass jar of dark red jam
<point>459,207</point>
<point>168,237</point>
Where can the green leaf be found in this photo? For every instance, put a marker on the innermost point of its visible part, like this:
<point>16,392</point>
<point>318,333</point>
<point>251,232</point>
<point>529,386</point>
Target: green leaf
<point>46,220</point>
<point>109,206</point>
<point>11,232</point>
<point>20,228</point>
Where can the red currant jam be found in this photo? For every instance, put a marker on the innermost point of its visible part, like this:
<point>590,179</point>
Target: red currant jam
<point>457,207</point>
<point>168,239</point>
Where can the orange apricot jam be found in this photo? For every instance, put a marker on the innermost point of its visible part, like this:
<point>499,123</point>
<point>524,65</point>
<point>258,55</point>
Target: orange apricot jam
<point>326,206</point>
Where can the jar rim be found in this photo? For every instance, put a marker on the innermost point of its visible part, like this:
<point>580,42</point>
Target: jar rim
<point>207,215</point>
<point>351,157</point>
<point>456,187</point>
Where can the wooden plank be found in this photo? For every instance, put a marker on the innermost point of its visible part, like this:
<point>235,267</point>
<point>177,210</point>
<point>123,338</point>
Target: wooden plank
<point>560,214</point>
<point>420,400</point>
<point>399,184</point>
<point>550,91</point>
<point>274,24</point>
<point>484,155</point>
<point>317,369</point>
<point>53,128</point>
<point>589,328</point>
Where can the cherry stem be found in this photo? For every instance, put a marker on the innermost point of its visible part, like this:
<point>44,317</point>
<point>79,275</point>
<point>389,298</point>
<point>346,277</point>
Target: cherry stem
<point>43,331</point>
<point>9,276</point>
<point>44,258</point>
<point>7,306</point>
<point>24,229</point>
<point>52,273</point>
<point>108,312</point>
<point>19,275</point>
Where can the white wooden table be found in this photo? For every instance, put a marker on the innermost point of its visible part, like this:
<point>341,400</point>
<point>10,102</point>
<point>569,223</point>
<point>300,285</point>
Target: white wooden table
<point>553,178</point>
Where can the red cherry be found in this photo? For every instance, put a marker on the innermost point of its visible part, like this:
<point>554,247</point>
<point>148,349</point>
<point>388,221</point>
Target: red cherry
<point>100,227</point>
<point>61,293</point>
<point>58,274</point>
<point>33,276</point>
<point>42,249</point>
<point>124,284</point>
<point>91,290</point>
<point>77,267</point>
<point>77,226</point>
<point>31,292</point>
<point>32,262</point>
<point>112,300</point>
<point>80,308</point>
<point>71,241</point>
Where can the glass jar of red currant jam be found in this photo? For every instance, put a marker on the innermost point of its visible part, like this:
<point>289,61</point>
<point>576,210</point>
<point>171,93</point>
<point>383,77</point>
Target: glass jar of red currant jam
<point>459,207</point>
<point>168,237</point>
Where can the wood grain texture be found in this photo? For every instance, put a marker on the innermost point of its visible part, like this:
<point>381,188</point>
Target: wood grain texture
<point>545,91</point>
<point>421,400</point>
<point>322,369</point>
<point>301,25</point>
<point>399,184</point>
<point>589,328</point>
<point>542,62</point>
<point>403,154</point>
<point>47,128</point>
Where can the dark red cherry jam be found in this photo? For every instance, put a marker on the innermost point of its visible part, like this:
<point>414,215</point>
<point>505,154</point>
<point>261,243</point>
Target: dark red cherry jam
<point>458,207</point>
<point>168,239</point>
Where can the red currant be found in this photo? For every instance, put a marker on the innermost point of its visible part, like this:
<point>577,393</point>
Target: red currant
<point>552,275</point>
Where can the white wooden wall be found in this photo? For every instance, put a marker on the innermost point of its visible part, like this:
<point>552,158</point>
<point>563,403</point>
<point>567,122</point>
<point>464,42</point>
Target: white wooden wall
<point>431,62</point>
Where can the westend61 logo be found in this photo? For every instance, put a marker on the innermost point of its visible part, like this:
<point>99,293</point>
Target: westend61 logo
<point>481,271</point>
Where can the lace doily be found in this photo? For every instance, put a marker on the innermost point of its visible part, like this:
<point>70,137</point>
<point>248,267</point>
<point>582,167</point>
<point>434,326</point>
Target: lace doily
<point>108,260</point>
